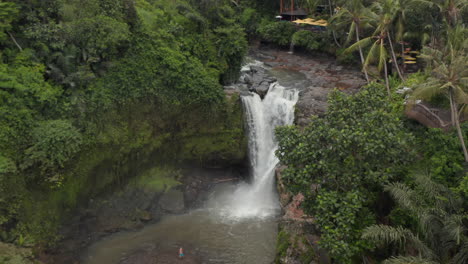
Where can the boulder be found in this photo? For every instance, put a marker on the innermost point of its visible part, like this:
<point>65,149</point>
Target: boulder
<point>246,78</point>
<point>256,69</point>
<point>172,201</point>
<point>262,89</point>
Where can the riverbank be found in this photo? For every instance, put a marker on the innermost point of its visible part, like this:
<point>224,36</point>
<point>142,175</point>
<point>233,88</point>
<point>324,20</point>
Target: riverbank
<point>315,75</point>
<point>142,202</point>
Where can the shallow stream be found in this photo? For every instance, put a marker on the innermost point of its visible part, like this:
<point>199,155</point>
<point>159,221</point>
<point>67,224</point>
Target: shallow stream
<point>208,234</point>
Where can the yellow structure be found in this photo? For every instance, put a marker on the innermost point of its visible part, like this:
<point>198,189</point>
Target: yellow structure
<point>311,21</point>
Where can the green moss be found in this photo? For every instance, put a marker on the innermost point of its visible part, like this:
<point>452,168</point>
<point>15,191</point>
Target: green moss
<point>283,242</point>
<point>221,139</point>
<point>309,254</point>
<point>158,179</point>
<point>10,254</point>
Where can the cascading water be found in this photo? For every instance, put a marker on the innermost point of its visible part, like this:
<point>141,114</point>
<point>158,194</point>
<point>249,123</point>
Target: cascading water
<point>259,198</point>
<point>235,224</point>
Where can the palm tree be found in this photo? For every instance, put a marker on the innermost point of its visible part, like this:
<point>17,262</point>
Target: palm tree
<point>387,11</point>
<point>356,16</point>
<point>441,235</point>
<point>449,76</point>
<point>383,17</point>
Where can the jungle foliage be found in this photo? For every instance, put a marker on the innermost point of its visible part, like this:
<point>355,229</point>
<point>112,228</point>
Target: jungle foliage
<point>344,163</point>
<point>380,186</point>
<point>86,82</point>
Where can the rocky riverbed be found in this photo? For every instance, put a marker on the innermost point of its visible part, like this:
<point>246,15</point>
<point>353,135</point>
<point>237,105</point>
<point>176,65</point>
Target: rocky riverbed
<point>315,75</point>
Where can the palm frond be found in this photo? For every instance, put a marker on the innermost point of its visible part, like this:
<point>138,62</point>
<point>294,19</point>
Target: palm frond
<point>402,194</point>
<point>383,56</point>
<point>351,33</point>
<point>428,89</point>
<point>385,235</point>
<point>363,43</point>
<point>462,256</point>
<point>402,237</point>
<point>455,228</point>
<point>408,260</point>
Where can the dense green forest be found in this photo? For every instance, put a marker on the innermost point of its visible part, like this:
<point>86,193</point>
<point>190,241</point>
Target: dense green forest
<point>381,187</point>
<point>91,82</point>
<point>84,82</point>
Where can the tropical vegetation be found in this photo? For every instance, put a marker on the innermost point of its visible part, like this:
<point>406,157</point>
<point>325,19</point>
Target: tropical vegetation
<point>379,187</point>
<point>87,83</point>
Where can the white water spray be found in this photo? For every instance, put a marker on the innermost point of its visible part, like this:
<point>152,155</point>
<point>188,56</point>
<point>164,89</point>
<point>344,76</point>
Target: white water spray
<point>259,198</point>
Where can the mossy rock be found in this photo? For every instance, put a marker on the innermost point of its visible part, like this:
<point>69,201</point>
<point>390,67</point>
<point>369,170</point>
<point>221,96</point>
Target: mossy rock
<point>283,242</point>
<point>10,254</point>
<point>221,141</point>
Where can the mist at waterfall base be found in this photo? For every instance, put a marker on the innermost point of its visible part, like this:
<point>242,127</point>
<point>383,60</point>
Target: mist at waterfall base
<point>259,199</point>
<point>237,223</point>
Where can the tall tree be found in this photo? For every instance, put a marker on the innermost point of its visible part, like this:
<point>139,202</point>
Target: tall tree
<point>356,16</point>
<point>387,11</point>
<point>383,15</point>
<point>8,13</point>
<point>449,76</point>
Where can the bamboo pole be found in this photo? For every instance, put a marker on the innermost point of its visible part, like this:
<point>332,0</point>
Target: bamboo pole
<point>292,10</point>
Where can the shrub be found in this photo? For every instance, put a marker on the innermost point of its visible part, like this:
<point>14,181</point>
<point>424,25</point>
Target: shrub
<point>55,143</point>
<point>277,32</point>
<point>309,40</point>
<point>345,57</point>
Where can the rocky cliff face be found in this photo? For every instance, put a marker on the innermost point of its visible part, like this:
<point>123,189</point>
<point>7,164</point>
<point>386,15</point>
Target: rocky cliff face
<point>122,187</point>
<point>315,77</point>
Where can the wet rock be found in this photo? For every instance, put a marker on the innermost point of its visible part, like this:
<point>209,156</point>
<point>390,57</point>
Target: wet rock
<point>247,79</point>
<point>322,74</point>
<point>256,69</point>
<point>262,89</point>
<point>258,80</point>
<point>307,108</point>
<point>272,64</point>
<point>145,216</point>
<point>172,201</point>
<point>265,56</point>
<point>270,79</point>
<point>284,195</point>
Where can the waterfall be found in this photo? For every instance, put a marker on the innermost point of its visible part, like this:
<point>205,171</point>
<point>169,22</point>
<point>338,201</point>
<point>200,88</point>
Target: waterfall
<point>259,199</point>
<point>291,48</point>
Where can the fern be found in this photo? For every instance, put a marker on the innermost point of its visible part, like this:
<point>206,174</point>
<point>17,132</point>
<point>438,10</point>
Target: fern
<point>408,260</point>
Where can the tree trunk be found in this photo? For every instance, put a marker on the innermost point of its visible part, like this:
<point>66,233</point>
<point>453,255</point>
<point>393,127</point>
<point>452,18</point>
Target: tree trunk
<point>386,80</point>
<point>394,57</point>
<point>403,67</point>
<point>14,41</point>
<point>333,31</point>
<point>457,125</point>
<point>360,54</point>
<point>452,114</point>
